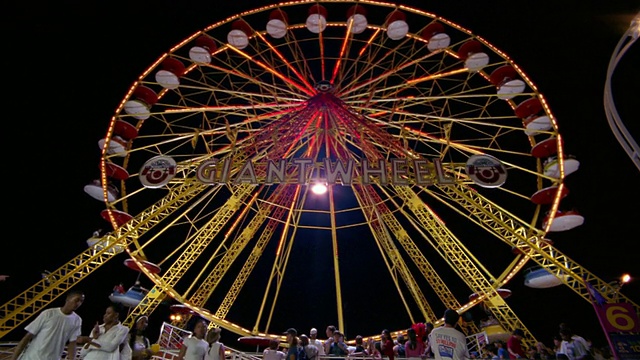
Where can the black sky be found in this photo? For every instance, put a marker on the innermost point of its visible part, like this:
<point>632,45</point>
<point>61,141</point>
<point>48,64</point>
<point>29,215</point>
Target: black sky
<point>67,67</point>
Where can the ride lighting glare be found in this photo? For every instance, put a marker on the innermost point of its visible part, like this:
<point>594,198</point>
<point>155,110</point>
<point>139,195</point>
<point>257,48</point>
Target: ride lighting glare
<point>625,278</point>
<point>319,188</point>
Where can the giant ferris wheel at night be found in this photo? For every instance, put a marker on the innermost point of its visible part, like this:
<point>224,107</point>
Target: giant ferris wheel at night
<point>431,143</point>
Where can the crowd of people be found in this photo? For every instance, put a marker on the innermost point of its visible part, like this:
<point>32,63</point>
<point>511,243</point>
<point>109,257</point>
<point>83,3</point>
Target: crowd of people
<point>56,333</point>
<point>423,341</point>
<point>58,329</point>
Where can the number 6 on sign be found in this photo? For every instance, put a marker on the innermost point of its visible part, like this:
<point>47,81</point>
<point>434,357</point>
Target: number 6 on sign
<point>620,317</point>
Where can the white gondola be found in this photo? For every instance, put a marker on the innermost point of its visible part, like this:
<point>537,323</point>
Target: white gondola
<point>473,55</point>
<point>203,49</point>
<point>397,27</point>
<point>142,99</point>
<point>540,278</point>
<point>551,168</point>
<point>506,81</point>
<point>239,35</point>
<point>169,76</point>
<point>537,124</point>
<point>277,24</point>
<point>510,89</point>
<point>317,19</point>
<point>357,18</point>
<point>564,220</point>
<point>436,38</point>
<point>94,189</point>
<point>136,293</point>
<point>117,146</point>
<point>130,298</point>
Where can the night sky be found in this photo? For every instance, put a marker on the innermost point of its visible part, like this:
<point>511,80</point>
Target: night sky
<point>67,68</point>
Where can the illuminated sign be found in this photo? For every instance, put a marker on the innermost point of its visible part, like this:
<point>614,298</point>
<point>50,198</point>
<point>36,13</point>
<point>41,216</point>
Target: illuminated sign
<point>157,172</point>
<point>483,170</point>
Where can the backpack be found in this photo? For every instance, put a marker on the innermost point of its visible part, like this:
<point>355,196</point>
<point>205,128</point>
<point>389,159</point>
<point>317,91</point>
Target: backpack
<point>401,350</point>
<point>302,354</point>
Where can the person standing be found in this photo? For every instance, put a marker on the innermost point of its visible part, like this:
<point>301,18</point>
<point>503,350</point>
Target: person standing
<point>292,341</point>
<point>327,343</point>
<point>414,348</point>
<point>583,346</point>
<point>272,352</point>
<point>373,349</point>
<point>398,348</point>
<point>572,348</point>
<point>54,328</point>
<point>386,344</point>
<point>195,346</point>
<point>360,350</point>
<point>501,349</point>
<point>106,338</point>
<point>313,340</point>
<point>514,345</point>
<point>137,346</point>
<point>310,350</point>
<point>339,348</point>
<point>446,341</point>
<point>428,352</point>
<point>216,348</point>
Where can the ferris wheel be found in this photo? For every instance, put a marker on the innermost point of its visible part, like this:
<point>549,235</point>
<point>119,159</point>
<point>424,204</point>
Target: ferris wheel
<point>431,144</point>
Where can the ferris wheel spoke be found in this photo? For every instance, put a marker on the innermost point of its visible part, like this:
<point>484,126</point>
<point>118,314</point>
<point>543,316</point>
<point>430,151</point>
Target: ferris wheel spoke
<point>304,88</point>
<point>304,80</point>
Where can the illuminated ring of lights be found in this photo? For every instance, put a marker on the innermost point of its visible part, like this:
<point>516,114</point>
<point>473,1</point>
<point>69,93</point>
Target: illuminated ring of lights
<point>231,89</point>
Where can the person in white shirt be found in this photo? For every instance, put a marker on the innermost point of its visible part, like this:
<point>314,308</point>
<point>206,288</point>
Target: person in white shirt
<point>446,341</point>
<point>216,348</point>
<point>313,340</point>
<point>581,342</point>
<point>106,338</point>
<point>272,352</point>
<point>572,348</point>
<point>137,346</point>
<point>52,329</point>
<point>195,346</point>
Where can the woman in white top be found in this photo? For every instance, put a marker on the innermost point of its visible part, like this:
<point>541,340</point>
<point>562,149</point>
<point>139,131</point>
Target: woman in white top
<point>195,346</point>
<point>216,348</point>
<point>137,346</point>
<point>104,342</point>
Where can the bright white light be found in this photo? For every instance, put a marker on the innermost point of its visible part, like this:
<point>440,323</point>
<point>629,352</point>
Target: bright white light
<point>319,188</point>
<point>625,278</point>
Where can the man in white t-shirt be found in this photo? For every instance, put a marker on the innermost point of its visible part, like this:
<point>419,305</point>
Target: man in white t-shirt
<point>313,340</point>
<point>446,341</point>
<point>51,330</point>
